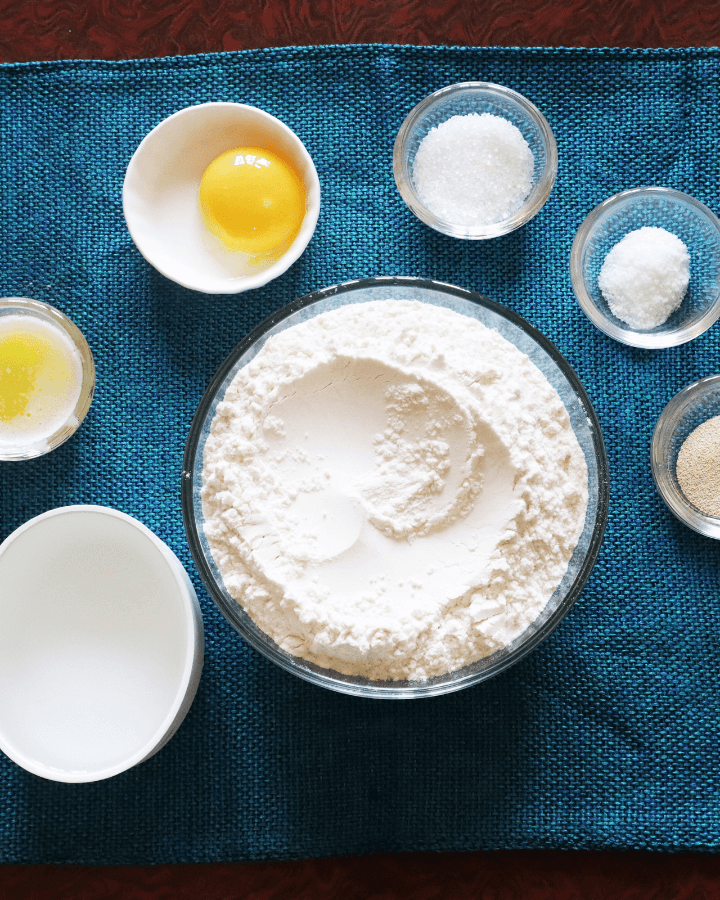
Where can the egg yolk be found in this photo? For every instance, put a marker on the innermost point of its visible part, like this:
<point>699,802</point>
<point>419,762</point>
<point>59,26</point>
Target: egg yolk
<point>253,200</point>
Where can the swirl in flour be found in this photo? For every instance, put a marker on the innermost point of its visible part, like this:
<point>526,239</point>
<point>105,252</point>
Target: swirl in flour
<point>392,490</point>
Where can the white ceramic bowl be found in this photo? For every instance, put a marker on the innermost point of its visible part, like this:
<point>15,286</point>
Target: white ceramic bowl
<point>101,644</point>
<point>160,196</point>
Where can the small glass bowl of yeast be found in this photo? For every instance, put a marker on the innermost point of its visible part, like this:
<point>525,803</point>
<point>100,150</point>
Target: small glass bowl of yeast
<point>48,378</point>
<point>687,411</point>
<point>488,164</point>
<point>628,212</point>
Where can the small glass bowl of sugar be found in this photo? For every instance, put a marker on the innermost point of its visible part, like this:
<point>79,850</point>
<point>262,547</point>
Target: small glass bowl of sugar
<point>645,267</point>
<point>685,456</point>
<point>475,160</point>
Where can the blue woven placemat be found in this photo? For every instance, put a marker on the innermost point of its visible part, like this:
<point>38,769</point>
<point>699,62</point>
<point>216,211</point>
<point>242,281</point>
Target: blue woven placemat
<point>605,736</point>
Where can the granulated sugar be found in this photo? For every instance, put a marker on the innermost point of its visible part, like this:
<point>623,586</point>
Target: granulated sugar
<point>392,490</point>
<point>645,277</point>
<point>474,170</point>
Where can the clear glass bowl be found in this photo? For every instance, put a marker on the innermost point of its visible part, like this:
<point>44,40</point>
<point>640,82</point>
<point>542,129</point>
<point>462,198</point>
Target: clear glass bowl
<point>23,306</point>
<point>689,408</point>
<point>516,330</point>
<point>677,213</point>
<point>464,99</point>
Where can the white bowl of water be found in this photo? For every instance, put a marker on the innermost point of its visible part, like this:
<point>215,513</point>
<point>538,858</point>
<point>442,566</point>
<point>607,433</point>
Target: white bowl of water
<point>101,644</point>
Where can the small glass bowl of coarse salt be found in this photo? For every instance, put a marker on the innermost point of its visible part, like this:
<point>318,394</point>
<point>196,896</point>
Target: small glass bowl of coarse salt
<point>685,456</point>
<point>475,160</point>
<point>645,267</point>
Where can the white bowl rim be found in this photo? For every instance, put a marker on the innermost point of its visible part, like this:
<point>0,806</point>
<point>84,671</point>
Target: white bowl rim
<point>192,665</point>
<point>291,255</point>
<point>647,340</point>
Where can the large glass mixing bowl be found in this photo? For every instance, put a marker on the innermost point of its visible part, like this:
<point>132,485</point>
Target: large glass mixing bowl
<point>514,329</point>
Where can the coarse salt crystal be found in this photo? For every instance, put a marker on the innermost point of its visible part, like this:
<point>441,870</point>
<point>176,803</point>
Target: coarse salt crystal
<point>474,170</point>
<point>645,277</point>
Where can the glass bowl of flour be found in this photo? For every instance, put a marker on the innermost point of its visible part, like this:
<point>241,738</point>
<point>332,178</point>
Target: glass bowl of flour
<point>395,488</point>
<point>475,160</point>
<point>645,267</point>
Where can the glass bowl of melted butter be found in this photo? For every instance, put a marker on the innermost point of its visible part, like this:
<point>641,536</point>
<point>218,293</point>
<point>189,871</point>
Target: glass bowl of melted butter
<point>47,381</point>
<point>221,197</point>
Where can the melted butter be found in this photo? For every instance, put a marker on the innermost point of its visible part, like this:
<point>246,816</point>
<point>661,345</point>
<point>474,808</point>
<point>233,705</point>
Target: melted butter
<point>40,378</point>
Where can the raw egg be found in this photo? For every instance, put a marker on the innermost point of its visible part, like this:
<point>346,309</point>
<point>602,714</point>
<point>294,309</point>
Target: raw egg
<point>225,239</point>
<point>253,200</point>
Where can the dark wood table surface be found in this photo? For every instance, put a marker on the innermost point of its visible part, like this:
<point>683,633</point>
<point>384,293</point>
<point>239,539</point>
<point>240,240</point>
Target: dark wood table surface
<point>126,29</point>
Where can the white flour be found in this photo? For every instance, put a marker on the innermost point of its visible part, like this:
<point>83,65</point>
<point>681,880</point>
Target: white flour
<point>392,490</point>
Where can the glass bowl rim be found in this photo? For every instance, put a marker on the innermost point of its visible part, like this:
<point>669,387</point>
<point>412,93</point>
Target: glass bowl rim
<point>364,687</point>
<point>643,339</point>
<point>39,310</point>
<point>535,200</point>
<point>673,497</point>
